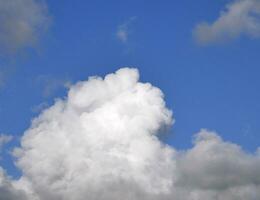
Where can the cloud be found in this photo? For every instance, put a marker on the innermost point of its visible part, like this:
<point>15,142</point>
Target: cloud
<point>101,143</point>
<point>51,84</point>
<point>104,137</point>
<point>124,30</point>
<point>5,73</point>
<point>8,190</point>
<point>214,169</point>
<point>4,139</point>
<point>21,23</point>
<point>38,108</point>
<point>240,18</point>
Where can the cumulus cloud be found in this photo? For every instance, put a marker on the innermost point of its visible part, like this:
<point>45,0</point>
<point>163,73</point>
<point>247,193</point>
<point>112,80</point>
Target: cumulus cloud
<point>215,169</point>
<point>124,30</point>
<point>101,143</point>
<point>8,191</point>
<point>21,23</point>
<point>240,18</point>
<point>104,139</point>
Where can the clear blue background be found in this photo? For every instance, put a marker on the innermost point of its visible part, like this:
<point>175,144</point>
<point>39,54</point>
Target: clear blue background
<point>215,87</point>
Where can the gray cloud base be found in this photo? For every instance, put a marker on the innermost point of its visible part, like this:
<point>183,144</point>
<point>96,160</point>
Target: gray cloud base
<point>240,18</point>
<point>100,143</point>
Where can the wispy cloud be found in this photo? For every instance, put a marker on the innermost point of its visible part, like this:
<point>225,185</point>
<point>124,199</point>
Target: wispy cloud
<point>22,22</point>
<point>38,108</point>
<point>240,18</point>
<point>4,139</point>
<point>5,73</point>
<point>124,30</point>
<point>51,84</point>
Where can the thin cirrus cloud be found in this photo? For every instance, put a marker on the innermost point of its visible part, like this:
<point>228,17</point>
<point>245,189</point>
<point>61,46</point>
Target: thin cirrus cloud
<point>22,23</point>
<point>240,18</point>
<point>4,139</point>
<point>39,107</point>
<point>5,72</point>
<point>100,142</point>
<point>124,30</point>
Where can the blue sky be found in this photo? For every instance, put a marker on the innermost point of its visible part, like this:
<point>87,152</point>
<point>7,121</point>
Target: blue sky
<point>214,86</point>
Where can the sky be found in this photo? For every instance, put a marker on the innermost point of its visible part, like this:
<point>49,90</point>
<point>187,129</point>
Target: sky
<point>203,56</point>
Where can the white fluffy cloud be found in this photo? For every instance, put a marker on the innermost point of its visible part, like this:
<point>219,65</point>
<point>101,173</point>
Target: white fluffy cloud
<point>240,18</point>
<point>214,169</point>
<point>101,138</point>
<point>100,143</point>
<point>8,191</point>
<point>21,23</point>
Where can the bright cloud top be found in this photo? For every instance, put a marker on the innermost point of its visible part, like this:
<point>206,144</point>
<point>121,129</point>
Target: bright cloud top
<point>240,18</point>
<point>22,22</point>
<point>100,143</point>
